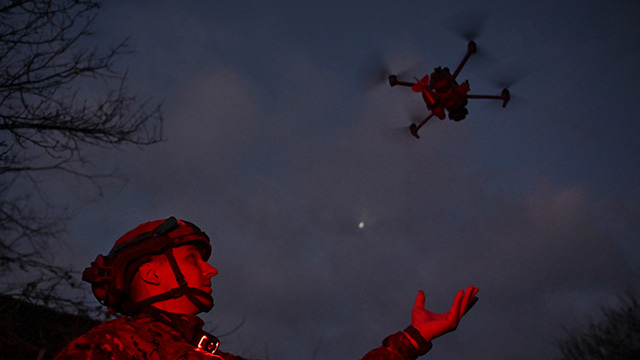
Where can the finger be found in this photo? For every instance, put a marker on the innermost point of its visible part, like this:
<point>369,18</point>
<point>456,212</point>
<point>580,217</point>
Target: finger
<point>455,307</point>
<point>465,301</point>
<point>463,305</point>
<point>472,299</point>
<point>420,298</point>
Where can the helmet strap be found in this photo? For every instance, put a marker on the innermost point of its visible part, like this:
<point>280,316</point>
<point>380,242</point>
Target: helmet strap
<point>180,290</point>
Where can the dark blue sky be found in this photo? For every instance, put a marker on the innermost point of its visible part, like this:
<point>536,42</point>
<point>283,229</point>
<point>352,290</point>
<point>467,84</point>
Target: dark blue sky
<point>277,148</point>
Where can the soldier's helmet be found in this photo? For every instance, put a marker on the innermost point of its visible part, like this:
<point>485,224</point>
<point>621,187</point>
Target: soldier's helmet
<point>111,275</point>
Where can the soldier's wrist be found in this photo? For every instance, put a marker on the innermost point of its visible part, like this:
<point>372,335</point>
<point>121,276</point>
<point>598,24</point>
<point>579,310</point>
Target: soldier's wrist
<point>419,342</point>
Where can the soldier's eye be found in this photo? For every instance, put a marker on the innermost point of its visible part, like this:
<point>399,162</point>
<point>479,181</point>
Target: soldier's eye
<point>191,258</point>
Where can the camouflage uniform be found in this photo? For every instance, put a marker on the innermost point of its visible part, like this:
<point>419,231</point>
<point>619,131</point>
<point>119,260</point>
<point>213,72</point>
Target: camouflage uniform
<point>143,337</point>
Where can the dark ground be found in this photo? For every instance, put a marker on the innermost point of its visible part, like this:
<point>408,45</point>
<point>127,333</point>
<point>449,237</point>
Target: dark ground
<point>32,332</point>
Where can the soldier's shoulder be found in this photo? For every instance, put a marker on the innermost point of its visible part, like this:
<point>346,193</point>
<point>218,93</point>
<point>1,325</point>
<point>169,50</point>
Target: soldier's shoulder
<point>121,338</point>
<point>118,325</point>
<point>141,327</point>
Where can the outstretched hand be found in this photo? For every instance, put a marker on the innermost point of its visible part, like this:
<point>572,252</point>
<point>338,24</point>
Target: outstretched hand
<point>432,325</point>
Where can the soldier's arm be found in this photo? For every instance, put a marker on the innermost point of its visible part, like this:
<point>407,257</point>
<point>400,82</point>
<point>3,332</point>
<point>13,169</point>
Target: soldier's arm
<point>425,326</point>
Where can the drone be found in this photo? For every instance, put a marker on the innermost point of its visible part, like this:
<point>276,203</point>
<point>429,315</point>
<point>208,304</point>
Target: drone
<point>443,95</point>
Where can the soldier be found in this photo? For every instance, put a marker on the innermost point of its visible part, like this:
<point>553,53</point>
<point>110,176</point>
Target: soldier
<point>157,278</point>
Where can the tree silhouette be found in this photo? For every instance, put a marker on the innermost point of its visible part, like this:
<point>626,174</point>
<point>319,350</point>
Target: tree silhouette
<point>616,336</point>
<point>58,96</point>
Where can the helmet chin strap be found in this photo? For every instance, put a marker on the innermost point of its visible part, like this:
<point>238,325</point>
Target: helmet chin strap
<point>182,290</point>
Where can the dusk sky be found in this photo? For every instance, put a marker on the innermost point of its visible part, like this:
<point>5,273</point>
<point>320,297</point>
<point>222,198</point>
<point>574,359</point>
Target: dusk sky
<point>279,147</point>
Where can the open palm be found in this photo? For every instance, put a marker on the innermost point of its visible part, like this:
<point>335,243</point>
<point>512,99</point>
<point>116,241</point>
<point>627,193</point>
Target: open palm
<point>432,325</point>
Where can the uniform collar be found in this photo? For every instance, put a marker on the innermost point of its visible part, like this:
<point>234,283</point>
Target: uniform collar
<point>188,327</point>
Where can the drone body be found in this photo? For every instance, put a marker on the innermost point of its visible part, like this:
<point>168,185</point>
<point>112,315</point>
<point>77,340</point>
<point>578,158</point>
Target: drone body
<point>444,95</point>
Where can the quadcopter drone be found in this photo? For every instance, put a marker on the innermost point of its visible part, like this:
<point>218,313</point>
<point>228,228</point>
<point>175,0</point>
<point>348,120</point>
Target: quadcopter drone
<point>443,95</point>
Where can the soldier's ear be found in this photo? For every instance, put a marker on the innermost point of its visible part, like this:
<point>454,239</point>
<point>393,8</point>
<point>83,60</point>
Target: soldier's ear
<point>148,273</point>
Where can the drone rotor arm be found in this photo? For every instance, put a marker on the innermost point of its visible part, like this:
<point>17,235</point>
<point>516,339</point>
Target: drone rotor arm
<point>505,97</point>
<point>393,81</point>
<point>414,128</point>
<point>471,49</point>
<point>469,96</point>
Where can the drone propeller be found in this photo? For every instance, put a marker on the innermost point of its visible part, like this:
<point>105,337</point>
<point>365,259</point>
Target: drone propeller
<point>399,134</point>
<point>397,129</point>
<point>506,76</point>
<point>374,70</point>
<point>467,24</point>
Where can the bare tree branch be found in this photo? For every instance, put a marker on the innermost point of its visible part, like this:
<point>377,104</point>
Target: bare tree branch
<point>58,96</point>
<point>614,336</point>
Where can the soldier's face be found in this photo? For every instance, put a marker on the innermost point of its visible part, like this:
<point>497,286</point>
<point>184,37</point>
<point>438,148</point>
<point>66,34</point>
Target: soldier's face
<point>196,271</point>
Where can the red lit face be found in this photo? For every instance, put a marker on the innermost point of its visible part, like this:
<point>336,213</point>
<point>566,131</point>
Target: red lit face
<point>196,271</point>
<point>197,274</point>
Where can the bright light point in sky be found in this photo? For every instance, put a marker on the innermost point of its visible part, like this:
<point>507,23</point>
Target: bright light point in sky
<point>361,225</point>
